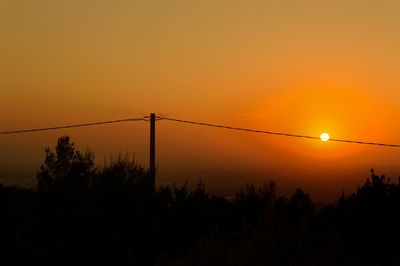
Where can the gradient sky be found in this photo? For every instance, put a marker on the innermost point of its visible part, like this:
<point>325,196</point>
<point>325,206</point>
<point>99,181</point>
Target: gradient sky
<point>302,67</point>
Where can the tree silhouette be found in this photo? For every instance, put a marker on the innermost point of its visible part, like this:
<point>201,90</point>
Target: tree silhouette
<point>80,215</point>
<point>65,169</point>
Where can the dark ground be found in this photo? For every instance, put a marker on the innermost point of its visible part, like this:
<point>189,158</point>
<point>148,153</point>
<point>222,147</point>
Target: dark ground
<point>79,215</point>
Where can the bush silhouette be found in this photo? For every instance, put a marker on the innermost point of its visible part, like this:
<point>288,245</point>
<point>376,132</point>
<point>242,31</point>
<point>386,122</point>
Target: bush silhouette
<point>121,174</point>
<point>83,215</point>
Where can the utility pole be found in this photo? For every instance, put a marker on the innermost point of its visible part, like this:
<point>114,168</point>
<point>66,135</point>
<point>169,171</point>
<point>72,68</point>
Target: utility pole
<point>153,151</point>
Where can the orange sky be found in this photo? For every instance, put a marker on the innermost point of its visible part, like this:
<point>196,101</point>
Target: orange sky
<point>302,67</point>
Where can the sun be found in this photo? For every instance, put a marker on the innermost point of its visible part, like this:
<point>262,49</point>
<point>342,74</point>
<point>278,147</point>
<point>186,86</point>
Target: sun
<point>324,137</point>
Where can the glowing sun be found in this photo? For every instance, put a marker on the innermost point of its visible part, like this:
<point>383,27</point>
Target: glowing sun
<point>324,137</point>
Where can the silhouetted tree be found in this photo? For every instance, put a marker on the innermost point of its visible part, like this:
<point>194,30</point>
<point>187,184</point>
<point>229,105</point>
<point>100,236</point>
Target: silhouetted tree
<point>81,215</point>
<point>66,168</point>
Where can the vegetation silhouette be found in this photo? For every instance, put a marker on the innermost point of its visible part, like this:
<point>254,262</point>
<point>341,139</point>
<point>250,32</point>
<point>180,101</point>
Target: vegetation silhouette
<point>66,169</point>
<point>83,215</point>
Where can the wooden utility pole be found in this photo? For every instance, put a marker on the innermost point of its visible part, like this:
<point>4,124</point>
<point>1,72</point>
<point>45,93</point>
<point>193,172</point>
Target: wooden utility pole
<point>153,151</point>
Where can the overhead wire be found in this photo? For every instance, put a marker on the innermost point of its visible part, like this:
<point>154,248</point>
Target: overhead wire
<point>159,118</point>
<point>277,133</point>
<point>145,118</point>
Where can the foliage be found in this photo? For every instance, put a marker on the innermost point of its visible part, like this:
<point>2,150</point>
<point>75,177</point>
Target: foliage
<point>66,168</point>
<point>80,215</point>
<point>123,173</point>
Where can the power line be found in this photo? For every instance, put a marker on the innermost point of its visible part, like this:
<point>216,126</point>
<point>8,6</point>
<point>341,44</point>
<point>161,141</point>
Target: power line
<point>73,126</point>
<point>366,143</point>
<point>276,133</point>
<point>158,118</point>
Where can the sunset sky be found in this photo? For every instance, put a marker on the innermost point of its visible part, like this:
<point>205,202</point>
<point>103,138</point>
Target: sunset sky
<point>302,67</point>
